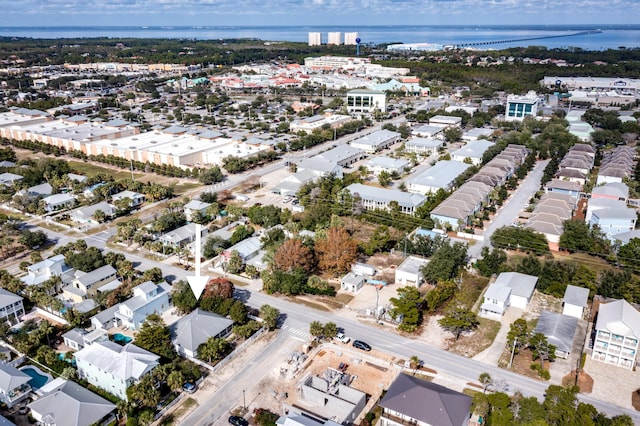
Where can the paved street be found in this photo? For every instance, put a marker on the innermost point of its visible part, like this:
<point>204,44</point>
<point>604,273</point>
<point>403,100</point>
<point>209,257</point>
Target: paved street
<point>511,208</point>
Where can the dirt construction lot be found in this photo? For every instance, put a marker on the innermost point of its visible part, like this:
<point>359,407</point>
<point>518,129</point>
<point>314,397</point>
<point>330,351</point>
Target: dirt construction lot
<point>372,373</point>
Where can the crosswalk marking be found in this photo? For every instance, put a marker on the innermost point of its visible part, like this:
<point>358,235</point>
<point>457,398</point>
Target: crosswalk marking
<point>297,332</point>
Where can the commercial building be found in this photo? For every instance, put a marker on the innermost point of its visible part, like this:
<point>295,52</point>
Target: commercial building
<point>368,101</point>
<point>519,107</point>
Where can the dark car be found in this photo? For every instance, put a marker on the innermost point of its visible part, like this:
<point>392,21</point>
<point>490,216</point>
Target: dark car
<point>238,421</point>
<point>189,387</point>
<point>361,345</point>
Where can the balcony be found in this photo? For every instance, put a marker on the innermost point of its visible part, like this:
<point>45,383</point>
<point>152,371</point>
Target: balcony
<point>398,420</point>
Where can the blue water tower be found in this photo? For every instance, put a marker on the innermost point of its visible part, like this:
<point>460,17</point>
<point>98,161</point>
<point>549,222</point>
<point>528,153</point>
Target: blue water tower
<point>358,40</point>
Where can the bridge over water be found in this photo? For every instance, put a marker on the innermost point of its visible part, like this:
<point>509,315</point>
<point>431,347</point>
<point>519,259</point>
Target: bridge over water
<point>515,40</point>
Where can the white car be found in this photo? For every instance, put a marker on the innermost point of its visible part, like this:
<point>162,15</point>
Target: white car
<point>343,338</point>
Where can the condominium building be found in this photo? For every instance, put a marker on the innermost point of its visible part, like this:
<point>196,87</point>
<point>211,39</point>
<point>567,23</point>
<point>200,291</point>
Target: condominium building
<point>315,39</point>
<point>519,107</point>
<point>617,334</point>
<point>350,38</point>
<point>334,38</point>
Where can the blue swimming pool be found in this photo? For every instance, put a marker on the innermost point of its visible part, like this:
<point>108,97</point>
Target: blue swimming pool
<point>38,378</point>
<point>121,338</point>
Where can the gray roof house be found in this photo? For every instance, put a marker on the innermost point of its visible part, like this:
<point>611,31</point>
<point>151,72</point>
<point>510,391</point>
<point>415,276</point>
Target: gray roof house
<point>57,202</point>
<point>522,287</point>
<point>473,150</point>
<point>378,165</point>
<point>67,403</point>
<point>342,155</point>
<point>441,176</point>
<point>183,235</point>
<point>559,330</point>
<point>196,328</point>
<point>85,214</point>
<point>195,206</point>
<point>423,146</point>
<point>43,189</point>
<point>409,272</point>
<point>135,197</point>
<point>9,179</point>
<point>376,141</point>
<point>380,199</point>
<point>417,401</point>
<point>87,284</point>
<point>14,385</point>
<point>574,301</point>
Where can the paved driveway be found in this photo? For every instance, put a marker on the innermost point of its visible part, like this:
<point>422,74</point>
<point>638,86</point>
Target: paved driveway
<point>492,354</point>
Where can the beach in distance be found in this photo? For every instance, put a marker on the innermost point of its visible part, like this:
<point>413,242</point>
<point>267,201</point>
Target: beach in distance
<point>586,37</point>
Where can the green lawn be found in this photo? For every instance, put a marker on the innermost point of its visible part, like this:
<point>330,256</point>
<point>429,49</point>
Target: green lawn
<point>87,169</point>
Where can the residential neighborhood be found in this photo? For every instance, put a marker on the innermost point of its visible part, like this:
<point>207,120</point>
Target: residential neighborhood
<point>321,242</point>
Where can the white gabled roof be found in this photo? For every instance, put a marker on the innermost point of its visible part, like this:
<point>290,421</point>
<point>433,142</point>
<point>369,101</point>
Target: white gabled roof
<point>124,362</point>
<point>620,318</point>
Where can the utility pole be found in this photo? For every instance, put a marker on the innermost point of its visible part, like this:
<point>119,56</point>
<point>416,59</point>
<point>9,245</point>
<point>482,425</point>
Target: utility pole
<point>244,401</point>
<point>513,351</point>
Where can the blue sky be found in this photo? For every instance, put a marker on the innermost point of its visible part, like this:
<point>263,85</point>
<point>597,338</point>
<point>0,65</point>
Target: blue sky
<point>317,12</point>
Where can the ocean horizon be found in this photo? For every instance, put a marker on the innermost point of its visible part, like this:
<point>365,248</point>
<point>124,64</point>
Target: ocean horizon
<point>587,37</point>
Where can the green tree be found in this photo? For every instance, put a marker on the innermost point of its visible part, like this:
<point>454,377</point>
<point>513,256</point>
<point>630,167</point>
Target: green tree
<point>490,261</point>
<point>145,392</point>
<point>407,306</point>
<point>458,321</point>
<point>316,329</point>
<point>486,380</point>
<point>235,263</point>
<point>175,380</point>
<point>541,348</point>
<point>518,335</point>
<point>213,349</point>
<point>183,298</point>
<point>269,316</point>
<point>154,336</point>
<point>330,330</point>
<point>445,263</point>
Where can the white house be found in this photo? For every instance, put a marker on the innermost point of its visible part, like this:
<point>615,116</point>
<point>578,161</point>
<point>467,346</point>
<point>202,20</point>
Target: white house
<point>423,146</point>
<point>409,272</point>
<point>14,385</point>
<point>57,202</point>
<point>86,214</point>
<point>11,307</point>
<point>195,206</point>
<point>196,328</point>
<point>575,301</point>
<point>376,141</point>
<point>67,403</point>
<point>46,269</point>
<point>445,121</point>
<point>78,338</point>
<point>617,334</point>
<point>522,287</point>
<point>390,165</point>
<point>496,301</point>
<point>114,368</point>
<point>148,298</point>
<point>473,151</point>
<point>87,284</point>
<point>441,176</point>
<point>135,198</point>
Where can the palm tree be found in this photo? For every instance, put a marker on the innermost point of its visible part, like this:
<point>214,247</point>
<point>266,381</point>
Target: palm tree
<point>175,380</point>
<point>414,363</point>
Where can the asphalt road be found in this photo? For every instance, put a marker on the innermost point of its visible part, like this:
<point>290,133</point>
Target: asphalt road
<point>511,208</point>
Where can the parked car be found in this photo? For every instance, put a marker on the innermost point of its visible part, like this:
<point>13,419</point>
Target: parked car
<point>238,421</point>
<point>189,387</point>
<point>343,338</point>
<point>361,345</point>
